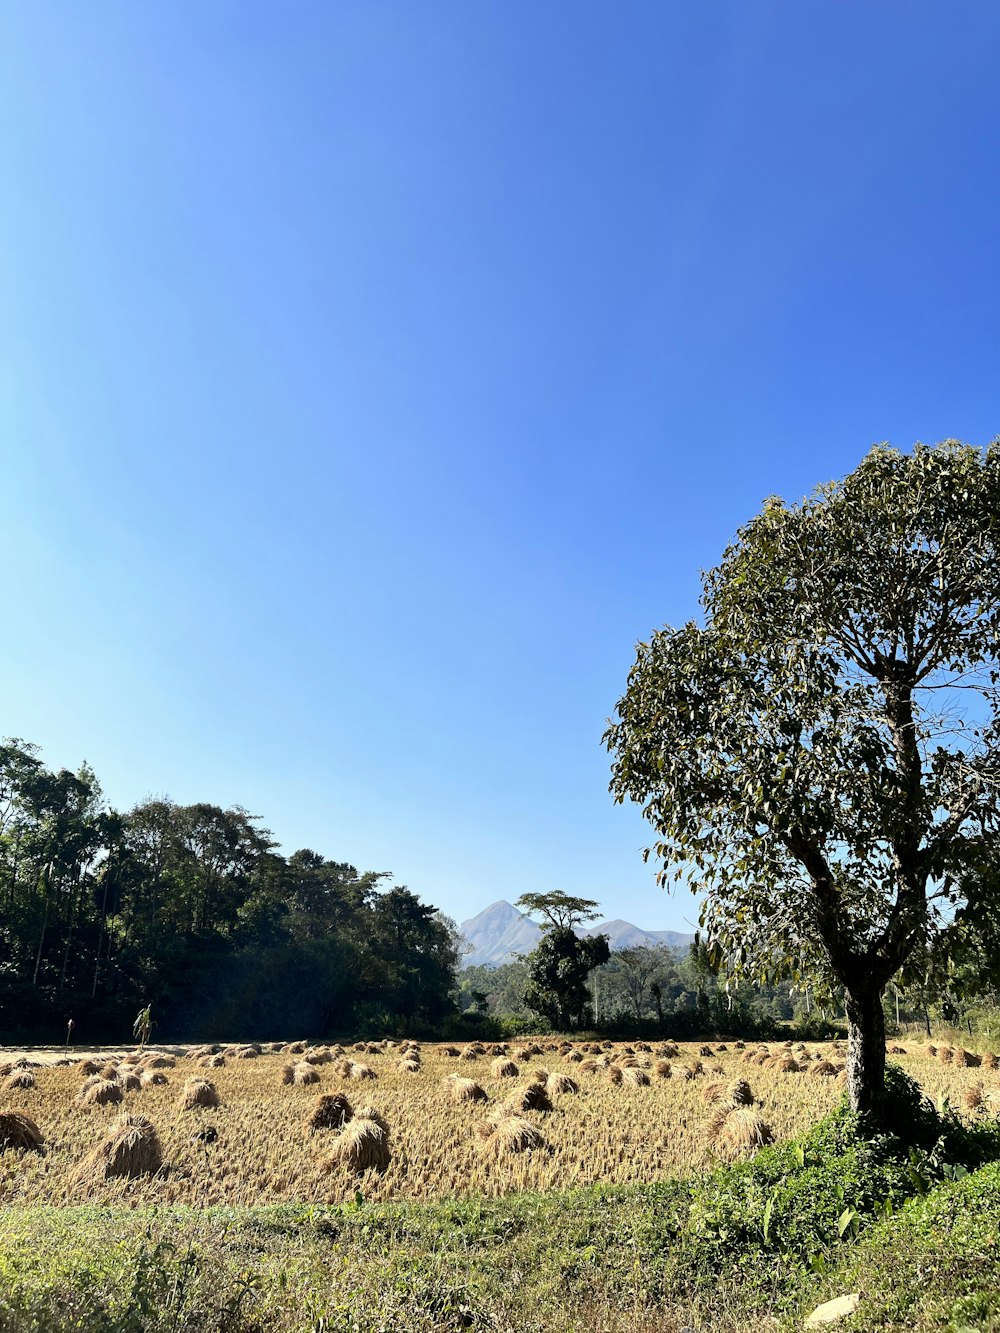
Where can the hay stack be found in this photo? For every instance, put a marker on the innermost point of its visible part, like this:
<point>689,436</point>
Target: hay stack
<point>824,1067</point>
<point>990,1061</point>
<point>696,1068</point>
<point>331,1111</point>
<point>945,1054</point>
<point>130,1149</point>
<point>532,1097</point>
<point>973,1098</point>
<point>504,1068</point>
<point>157,1060</point>
<point>19,1133</point>
<point>129,1080</point>
<point>363,1146</point>
<point>362,1072</point>
<point>99,1091</point>
<point>19,1079</point>
<point>615,1074</point>
<point>465,1090</point>
<point>409,1066</point>
<point>662,1069</point>
<point>668,1051</point>
<point>87,1067</point>
<point>508,1135</point>
<point>197,1092</point>
<point>636,1078</point>
<point>739,1093</point>
<point>785,1064</point>
<point>931,1050</point>
<point>299,1075</point>
<point>588,1066</point>
<point>712,1092</point>
<point>561,1083</point>
<point>152,1078</point>
<point>964,1059</point>
<point>737,1131</point>
<point>705,1050</point>
<point>897,1050</point>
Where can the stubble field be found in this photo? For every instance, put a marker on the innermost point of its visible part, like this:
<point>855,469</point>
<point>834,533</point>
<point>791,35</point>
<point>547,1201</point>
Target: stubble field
<point>425,1122</point>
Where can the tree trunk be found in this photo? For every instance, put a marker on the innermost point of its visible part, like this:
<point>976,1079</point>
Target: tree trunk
<point>866,1055</point>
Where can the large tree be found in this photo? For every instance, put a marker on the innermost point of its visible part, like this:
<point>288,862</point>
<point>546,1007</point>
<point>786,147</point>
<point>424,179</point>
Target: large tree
<point>819,756</point>
<point>561,962</point>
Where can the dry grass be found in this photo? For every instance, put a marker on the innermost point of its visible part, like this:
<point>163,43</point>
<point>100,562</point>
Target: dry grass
<point>198,1092</point>
<point>19,1132</point>
<point>607,1132</point>
<point>130,1149</point>
<point>362,1146</point>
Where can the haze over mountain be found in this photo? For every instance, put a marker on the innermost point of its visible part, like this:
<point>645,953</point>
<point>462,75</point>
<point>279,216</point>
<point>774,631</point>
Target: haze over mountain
<point>500,931</point>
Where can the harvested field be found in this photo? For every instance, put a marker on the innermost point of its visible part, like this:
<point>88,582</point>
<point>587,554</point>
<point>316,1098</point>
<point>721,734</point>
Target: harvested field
<point>257,1152</point>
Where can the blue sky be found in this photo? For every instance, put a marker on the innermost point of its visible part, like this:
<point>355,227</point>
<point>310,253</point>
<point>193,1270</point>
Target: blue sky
<point>373,376</point>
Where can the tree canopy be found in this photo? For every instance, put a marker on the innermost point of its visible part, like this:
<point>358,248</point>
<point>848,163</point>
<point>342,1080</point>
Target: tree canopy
<point>193,910</point>
<point>820,756</point>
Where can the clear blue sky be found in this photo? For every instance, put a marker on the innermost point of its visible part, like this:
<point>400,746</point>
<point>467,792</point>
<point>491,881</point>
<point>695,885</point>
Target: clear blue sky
<point>373,376</point>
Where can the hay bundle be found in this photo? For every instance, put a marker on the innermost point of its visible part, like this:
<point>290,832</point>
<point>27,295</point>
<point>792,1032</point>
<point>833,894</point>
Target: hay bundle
<point>342,1067</point>
<point>990,1061</point>
<point>705,1050</point>
<point>468,1054</point>
<point>539,1075</point>
<point>897,1050</point>
<point>721,1048</point>
<point>452,1052</point>
<point>152,1078</point>
<point>635,1078</point>
<point>19,1132</point>
<point>627,1062</point>
<point>246,1053</point>
<point>331,1111</point>
<point>737,1131</point>
<point>129,1080</point>
<point>712,1092</point>
<point>465,1090</point>
<point>669,1051</point>
<point>588,1066</point>
<point>157,1060</point>
<point>213,1061</point>
<point>521,1054</point>
<point>299,1075</point>
<point>507,1135</point>
<point>973,1098</point>
<point>18,1079</point>
<point>296,1048</point>
<point>100,1092</point>
<point>965,1059</point>
<point>559,1083</point>
<point>532,1097</point>
<point>199,1052</point>
<point>739,1093</point>
<point>504,1068</point>
<point>87,1067</point>
<point>409,1066</point>
<point>662,1069</point>
<point>131,1148</point>
<point>615,1074</point>
<point>197,1092</point>
<point>696,1068</point>
<point>785,1064</point>
<point>109,1070</point>
<point>739,1045</point>
<point>362,1146</point>
<point>824,1067</point>
<point>945,1054</point>
<point>320,1056</point>
<point>573,1057</point>
<point>362,1072</point>
<point>931,1050</point>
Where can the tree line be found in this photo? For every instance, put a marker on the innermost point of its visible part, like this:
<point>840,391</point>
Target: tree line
<point>192,909</point>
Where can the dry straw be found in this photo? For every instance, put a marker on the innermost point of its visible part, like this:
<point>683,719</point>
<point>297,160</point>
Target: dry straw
<point>331,1111</point>
<point>363,1146</point>
<point>737,1131</point>
<point>197,1092</point>
<point>19,1132</point>
<point>465,1090</point>
<point>130,1149</point>
<point>100,1091</point>
<point>507,1135</point>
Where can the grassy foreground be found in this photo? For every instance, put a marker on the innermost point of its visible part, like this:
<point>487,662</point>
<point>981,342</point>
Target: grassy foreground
<point>752,1246</point>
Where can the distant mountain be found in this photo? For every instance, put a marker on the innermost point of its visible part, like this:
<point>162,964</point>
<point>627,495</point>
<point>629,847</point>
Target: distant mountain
<point>500,931</point>
<point>496,934</point>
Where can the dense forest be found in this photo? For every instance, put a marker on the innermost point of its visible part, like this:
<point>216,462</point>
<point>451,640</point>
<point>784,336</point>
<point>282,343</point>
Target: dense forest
<point>192,910</point>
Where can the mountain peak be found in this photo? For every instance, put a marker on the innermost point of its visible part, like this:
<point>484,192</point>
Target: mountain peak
<point>500,931</point>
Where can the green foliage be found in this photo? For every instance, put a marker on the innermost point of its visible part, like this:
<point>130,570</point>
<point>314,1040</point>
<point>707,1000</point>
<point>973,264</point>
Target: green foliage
<point>805,755</point>
<point>558,968</point>
<point>190,910</point>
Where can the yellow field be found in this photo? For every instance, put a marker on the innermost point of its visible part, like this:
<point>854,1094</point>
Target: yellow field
<point>606,1132</point>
